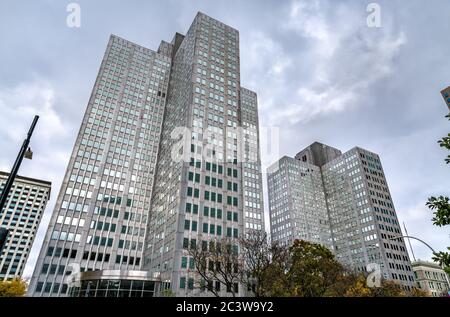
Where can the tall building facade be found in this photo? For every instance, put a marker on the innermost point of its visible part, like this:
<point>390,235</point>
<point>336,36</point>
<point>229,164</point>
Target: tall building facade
<point>297,203</point>
<point>214,189</point>
<point>21,216</point>
<point>158,165</point>
<point>360,213</point>
<point>101,213</point>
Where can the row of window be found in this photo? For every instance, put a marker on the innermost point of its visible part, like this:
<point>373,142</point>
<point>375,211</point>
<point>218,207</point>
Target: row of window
<point>211,196</point>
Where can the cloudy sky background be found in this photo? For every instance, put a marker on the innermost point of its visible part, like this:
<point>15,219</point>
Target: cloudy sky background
<point>320,73</point>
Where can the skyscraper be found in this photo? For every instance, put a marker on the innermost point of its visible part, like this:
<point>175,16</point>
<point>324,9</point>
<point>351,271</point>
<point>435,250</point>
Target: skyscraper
<point>21,216</point>
<point>446,95</point>
<point>297,203</point>
<point>158,164</point>
<point>216,190</point>
<point>101,213</point>
<point>360,213</point>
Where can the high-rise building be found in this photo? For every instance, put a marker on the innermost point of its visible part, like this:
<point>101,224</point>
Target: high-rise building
<point>431,278</point>
<point>101,213</point>
<point>352,191</point>
<point>21,217</point>
<point>297,203</point>
<point>446,95</point>
<point>130,204</point>
<point>216,190</point>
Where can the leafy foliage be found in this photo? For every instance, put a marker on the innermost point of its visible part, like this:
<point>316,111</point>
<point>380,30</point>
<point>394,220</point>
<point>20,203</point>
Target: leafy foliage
<point>312,271</point>
<point>441,206</point>
<point>445,143</point>
<point>443,258</point>
<point>441,210</point>
<point>303,270</point>
<point>14,288</point>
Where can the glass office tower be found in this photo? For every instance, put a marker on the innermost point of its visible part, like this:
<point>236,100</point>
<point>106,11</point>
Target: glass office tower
<point>361,217</point>
<point>101,214</point>
<point>21,217</point>
<point>214,188</point>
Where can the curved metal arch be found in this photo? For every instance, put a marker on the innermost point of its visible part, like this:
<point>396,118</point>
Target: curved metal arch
<point>410,237</point>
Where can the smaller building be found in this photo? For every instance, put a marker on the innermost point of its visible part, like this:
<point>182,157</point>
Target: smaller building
<point>446,95</point>
<point>21,217</point>
<point>430,277</point>
<point>116,283</point>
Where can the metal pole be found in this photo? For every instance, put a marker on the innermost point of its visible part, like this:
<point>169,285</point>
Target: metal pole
<point>409,242</point>
<point>16,165</point>
<point>12,176</point>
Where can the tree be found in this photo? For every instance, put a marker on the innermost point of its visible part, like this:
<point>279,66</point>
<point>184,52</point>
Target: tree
<point>262,258</point>
<point>13,288</point>
<point>311,270</point>
<point>349,284</point>
<point>353,284</point>
<point>305,269</point>
<point>218,262</point>
<point>441,210</point>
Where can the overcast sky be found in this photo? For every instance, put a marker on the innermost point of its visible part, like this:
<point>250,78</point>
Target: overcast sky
<point>320,72</point>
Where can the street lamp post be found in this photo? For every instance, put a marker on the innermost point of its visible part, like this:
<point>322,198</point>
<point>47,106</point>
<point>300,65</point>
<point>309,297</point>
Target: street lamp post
<point>432,250</point>
<point>25,151</point>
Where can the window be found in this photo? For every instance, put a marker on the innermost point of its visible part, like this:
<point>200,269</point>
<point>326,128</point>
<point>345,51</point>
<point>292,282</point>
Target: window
<point>191,283</point>
<point>184,262</point>
<point>44,268</point>
<point>50,251</point>
<point>182,282</point>
<point>39,286</point>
